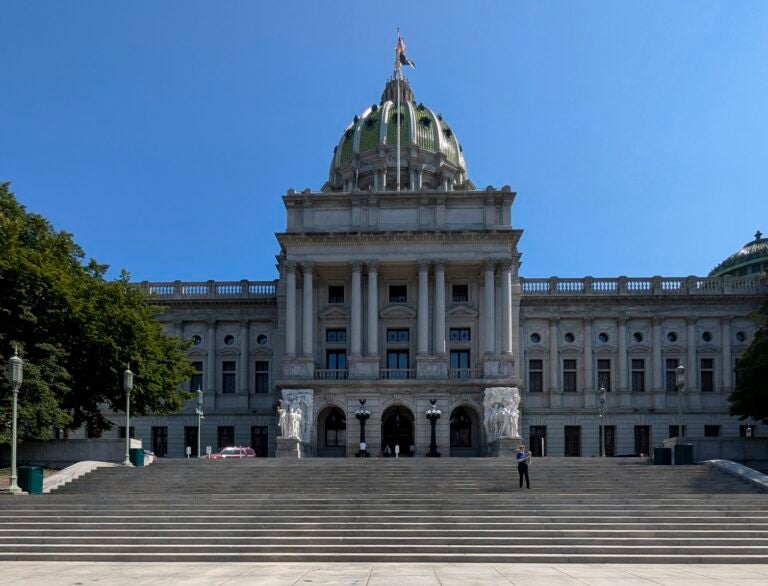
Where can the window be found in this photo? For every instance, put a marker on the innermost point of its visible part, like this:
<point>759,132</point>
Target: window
<point>336,294</point>
<point>460,293</point>
<point>335,429</point>
<point>398,293</point>
<point>535,376</point>
<point>570,338</point>
<point>711,431</point>
<point>196,382</point>
<point>225,436</point>
<point>671,374</point>
<point>190,440</point>
<point>461,429</point>
<point>336,359</point>
<point>706,336</point>
<point>741,336</point>
<point>262,377</point>
<point>603,338</point>
<point>92,432</point>
<point>604,374</point>
<point>260,440</point>
<point>672,337</point>
<point>638,337</point>
<point>336,336</point>
<point>642,439</point>
<point>638,375</point>
<point>535,337</point>
<point>707,375</point>
<point>572,441</point>
<point>459,335</point>
<point>121,431</point>
<point>397,364</point>
<point>460,363</point>
<point>569,375</point>
<point>262,340</point>
<point>228,368</point>
<point>229,340</point>
<point>160,441</point>
<point>196,340</point>
<point>398,335</point>
<point>538,440</point>
<point>673,430</point>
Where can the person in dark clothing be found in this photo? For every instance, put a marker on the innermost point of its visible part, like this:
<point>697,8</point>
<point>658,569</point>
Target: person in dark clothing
<point>523,458</point>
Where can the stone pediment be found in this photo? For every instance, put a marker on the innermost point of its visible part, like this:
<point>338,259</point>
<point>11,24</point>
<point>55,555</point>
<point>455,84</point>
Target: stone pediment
<point>401,311</point>
<point>462,311</point>
<point>334,312</point>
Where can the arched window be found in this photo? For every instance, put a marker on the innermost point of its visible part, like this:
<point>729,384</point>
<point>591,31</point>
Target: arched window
<point>461,429</point>
<point>335,429</point>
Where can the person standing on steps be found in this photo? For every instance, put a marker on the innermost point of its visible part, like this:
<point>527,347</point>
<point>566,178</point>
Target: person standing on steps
<point>523,458</point>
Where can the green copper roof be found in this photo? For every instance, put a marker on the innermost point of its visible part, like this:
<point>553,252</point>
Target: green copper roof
<point>751,259</point>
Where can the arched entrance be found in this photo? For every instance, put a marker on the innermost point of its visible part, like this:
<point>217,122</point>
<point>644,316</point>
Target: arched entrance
<point>331,433</point>
<point>465,432</point>
<point>397,429</point>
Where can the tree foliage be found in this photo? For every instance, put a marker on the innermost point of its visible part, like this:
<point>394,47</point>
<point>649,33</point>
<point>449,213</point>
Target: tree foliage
<point>750,396</point>
<point>76,332</point>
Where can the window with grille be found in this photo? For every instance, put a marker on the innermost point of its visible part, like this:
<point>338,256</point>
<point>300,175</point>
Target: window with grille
<point>638,375</point>
<point>604,374</point>
<point>569,375</point>
<point>336,336</point>
<point>398,293</point>
<point>459,335</point>
<point>228,369</point>
<point>711,431</point>
<point>400,335</point>
<point>460,293</point>
<point>336,359</point>
<point>262,376</point>
<point>671,375</point>
<point>535,376</point>
<point>336,294</point>
<point>707,373</point>
<point>225,435</point>
<point>673,430</point>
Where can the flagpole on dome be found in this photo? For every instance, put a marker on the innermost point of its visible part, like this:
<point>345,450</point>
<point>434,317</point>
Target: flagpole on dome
<point>398,73</point>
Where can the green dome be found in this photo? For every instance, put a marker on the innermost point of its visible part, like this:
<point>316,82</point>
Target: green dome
<point>431,156</point>
<point>751,259</point>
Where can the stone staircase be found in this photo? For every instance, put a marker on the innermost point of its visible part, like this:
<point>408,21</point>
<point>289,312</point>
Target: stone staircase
<point>405,510</point>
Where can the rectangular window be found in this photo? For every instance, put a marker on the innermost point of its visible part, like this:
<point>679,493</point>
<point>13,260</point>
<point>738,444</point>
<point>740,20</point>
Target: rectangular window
<point>336,359</point>
<point>604,374</point>
<point>707,375</point>
<point>398,293</point>
<point>196,382</point>
<point>335,293</point>
<point>262,377</point>
<point>190,439</point>
<point>225,436</point>
<point>459,335</point>
<point>638,375</point>
<point>121,431</point>
<point>673,430</point>
<point>397,364</point>
<point>711,431</point>
<point>460,293</point>
<point>398,336</point>
<point>671,374</point>
<point>228,368</point>
<point>336,336</point>
<point>569,375</point>
<point>160,441</point>
<point>460,364</point>
<point>260,440</point>
<point>535,376</point>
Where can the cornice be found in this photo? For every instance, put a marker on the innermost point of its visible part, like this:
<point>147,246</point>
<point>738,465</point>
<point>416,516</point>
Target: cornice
<point>362,238</point>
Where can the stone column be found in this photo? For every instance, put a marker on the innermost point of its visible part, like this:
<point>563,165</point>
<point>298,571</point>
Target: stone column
<point>589,381</point>
<point>727,366</point>
<point>422,333</point>
<point>489,323</point>
<point>290,308</point>
<point>211,366</point>
<point>355,339</point>
<point>506,306</point>
<point>623,381</point>
<point>554,358</point>
<point>658,373</point>
<point>439,311</point>
<point>692,368</point>
<point>373,308</point>
<point>307,329</point>
<point>244,358</point>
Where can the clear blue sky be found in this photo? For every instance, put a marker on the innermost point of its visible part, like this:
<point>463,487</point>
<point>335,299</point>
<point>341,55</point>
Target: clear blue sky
<point>163,134</point>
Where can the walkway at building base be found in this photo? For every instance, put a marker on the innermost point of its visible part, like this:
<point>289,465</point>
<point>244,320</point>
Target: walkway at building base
<point>385,510</point>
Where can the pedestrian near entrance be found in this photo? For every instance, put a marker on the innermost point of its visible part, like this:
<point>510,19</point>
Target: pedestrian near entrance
<point>523,459</point>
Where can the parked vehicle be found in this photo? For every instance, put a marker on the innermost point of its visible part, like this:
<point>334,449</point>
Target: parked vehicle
<point>237,452</point>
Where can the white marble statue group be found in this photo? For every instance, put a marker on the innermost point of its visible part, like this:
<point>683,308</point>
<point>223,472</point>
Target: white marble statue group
<point>289,420</point>
<point>501,412</point>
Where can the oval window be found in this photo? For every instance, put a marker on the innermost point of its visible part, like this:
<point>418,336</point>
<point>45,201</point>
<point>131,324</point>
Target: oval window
<point>535,338</point>
<point>569,337</point>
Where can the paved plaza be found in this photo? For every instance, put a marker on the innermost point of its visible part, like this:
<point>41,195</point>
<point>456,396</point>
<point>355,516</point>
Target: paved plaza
<point>379,574</point>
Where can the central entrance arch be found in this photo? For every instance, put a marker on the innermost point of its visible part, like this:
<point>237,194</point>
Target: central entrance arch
<point>397,429</point>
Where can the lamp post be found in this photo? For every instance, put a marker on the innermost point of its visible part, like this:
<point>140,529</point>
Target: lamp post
<point>602,411</point>
<point>433,414</point>
<point>15,377</point>
<point>200,417</point>
<point>128,386</point>
<point>680,384</point>
<point>362,415</point>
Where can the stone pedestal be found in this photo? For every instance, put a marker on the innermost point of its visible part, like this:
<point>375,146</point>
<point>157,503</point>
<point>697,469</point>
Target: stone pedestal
<point>298,367</point>
<point>290,447</point>
<point>431,366</point>
<point>505,447</point>
<point>363,367</point>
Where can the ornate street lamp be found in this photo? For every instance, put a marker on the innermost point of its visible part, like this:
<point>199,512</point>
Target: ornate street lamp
<point>128,386</point>
<point>602,411</point>
<point>433,414</point>
<point>680,384</point>
<point>200,417</point>
<point>15,377</point>
<point>362,415</point>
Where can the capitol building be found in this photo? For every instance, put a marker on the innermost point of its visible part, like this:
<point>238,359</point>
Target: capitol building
<point>400,292</point>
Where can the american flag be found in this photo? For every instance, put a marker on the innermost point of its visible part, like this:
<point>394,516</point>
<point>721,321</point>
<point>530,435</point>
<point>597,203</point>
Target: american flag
<point>400,52</point>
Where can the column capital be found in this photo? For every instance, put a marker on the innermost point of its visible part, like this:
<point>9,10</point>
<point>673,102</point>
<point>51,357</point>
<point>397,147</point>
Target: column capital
<point>691,320</point>
<point>424,264</point>
<point>307,266</point>
<point>290,266</point>
<point>244,323</point>
<point>439,264</point>
<point>657,319</point>
<point>622,319</point>
<point>356,265</point>
<point>372,265</point>
<point>553,321</point>
<point>489,264</point>
<point>211,324</point>
<point>726,319</point>
<point>507,264</point>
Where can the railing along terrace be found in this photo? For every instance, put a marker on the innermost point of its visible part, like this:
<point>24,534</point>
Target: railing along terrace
<point>331,374</point>
<point>465,373</point>
<point>397,373</point>
<point>211,289</point>
<point>554,286</point>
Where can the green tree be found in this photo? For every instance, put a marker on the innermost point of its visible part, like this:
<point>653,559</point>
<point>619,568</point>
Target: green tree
<point>76,332</point>
<point>750,397</point>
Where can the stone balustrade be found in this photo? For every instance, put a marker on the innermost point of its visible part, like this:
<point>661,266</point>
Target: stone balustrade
<point>599,286</point>
<point>211,289</point>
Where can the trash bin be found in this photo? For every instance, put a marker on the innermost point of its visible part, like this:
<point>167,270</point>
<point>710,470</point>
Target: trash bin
<point>683,454</point>
<point>31,479</point>
<point>662,456</point>
<point>137,456</point>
